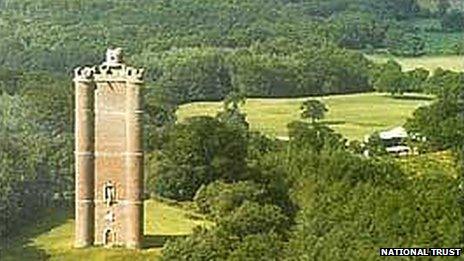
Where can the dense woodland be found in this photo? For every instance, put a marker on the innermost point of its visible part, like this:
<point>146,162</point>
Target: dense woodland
<point>306,198</point>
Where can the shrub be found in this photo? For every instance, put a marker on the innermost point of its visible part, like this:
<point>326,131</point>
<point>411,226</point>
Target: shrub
<point>219,199</point>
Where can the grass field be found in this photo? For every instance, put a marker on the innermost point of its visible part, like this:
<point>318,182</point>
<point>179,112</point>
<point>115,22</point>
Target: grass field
<point>450,62</point>
<point>354,116</point>
<point>53,237</point>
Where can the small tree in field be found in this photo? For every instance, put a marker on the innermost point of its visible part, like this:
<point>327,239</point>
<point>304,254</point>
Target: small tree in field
<point>313,110</point>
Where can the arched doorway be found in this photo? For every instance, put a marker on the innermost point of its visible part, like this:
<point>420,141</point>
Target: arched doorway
<point>108,237</point>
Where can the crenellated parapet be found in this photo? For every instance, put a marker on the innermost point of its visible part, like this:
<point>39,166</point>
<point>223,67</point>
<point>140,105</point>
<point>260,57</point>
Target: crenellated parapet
<point>84,74</point>
<point>113,69</point>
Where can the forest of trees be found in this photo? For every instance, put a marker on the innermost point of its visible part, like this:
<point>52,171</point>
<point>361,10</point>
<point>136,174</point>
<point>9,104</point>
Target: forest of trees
<point>311,196</point>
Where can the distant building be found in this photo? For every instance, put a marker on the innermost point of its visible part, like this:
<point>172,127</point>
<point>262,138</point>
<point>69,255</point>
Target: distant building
<point>394,141</point>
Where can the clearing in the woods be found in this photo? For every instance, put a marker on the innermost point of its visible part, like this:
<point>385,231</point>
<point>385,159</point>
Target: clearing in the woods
<point>354,115</point>
<point>431,63</point>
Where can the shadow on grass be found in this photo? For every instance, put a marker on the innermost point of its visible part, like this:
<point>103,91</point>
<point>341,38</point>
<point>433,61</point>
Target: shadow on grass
<point>19,246</point>
<point>156,241</point>
<point>412,97</point>
<point>333,122</point>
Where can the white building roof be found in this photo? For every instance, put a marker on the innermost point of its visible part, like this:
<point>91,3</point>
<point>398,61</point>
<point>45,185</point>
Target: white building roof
<point>398,132</point>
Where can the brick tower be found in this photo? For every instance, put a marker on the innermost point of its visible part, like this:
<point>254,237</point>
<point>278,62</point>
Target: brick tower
<point>109,154</point>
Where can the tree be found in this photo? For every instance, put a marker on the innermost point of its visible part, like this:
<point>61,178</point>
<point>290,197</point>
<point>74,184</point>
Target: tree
<point>442,7</point>
<point>220,199</point>
<point>391,79</point>
<point>417,79</point>
<point>194,74</point>
<point>453,21</point>
<point>231,113</point>
<point>313,137</point>
<point>259,247</point>
<point>198,152</point>
<point>440,123</point>
<point>405,43</point>
<point>314,110</point>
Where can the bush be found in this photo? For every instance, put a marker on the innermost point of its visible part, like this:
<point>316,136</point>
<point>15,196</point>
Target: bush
<point>219,199</point>
<point>201,245</point>
<point>198,152</point>
<point>252,231</point>
<point>259,247</point>
<point>453,21</point>
<point>351,205</point>
<point>251,218</point>
<point>315,137</point>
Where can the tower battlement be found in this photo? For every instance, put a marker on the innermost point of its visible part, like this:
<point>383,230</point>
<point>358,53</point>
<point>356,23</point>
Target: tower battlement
<point>113,69</point>
<point>109,153</point>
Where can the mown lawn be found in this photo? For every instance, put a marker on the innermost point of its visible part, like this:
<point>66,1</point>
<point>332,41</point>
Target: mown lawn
<point>449,62</point>
<point>52,238</point>
<point>354,116</point>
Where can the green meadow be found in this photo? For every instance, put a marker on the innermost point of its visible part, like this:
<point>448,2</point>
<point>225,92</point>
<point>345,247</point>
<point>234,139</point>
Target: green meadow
<point>449,62</point>
<point>354,115</point>
<point>52,237</point>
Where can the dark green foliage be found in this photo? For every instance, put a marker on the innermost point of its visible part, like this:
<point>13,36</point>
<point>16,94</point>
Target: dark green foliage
<point>9,81</point>
<point>445,84</point>
<point>442,123</point>
<point>312,71</point>
<point>219,199</point>
<point>58,37</point>
<point>359,30</point>
<point>259,145</point>
<point>313,109</point>
<point>391,79</point>
<point>246,233</point>
<point>348,205</point>
<point>348,222</point>
<point>351,205</point>
<point>417,79</point>
<point>251,218</point>
<point>159,117</point>
<point>231,113</point>
<point>203,244</point>
<point>375,146</point>
<point>35,150</point>
<point>443,6</point>
<point>269,172</point>
<point>198,152</point>
<point>193,74</point>
<point>398,9</point>
<point>331,70</point>
<point>314,137</point>
<point>409,44</point>
<point>453,21</point>
<point>259,247</point>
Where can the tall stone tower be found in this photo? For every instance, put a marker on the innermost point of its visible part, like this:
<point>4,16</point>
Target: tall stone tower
<point>109,154</point>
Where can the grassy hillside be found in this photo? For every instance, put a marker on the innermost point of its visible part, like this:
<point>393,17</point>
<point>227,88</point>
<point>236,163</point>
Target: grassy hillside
<point>352,115</point>
<point>53,237</point>
<point>450,62</point>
